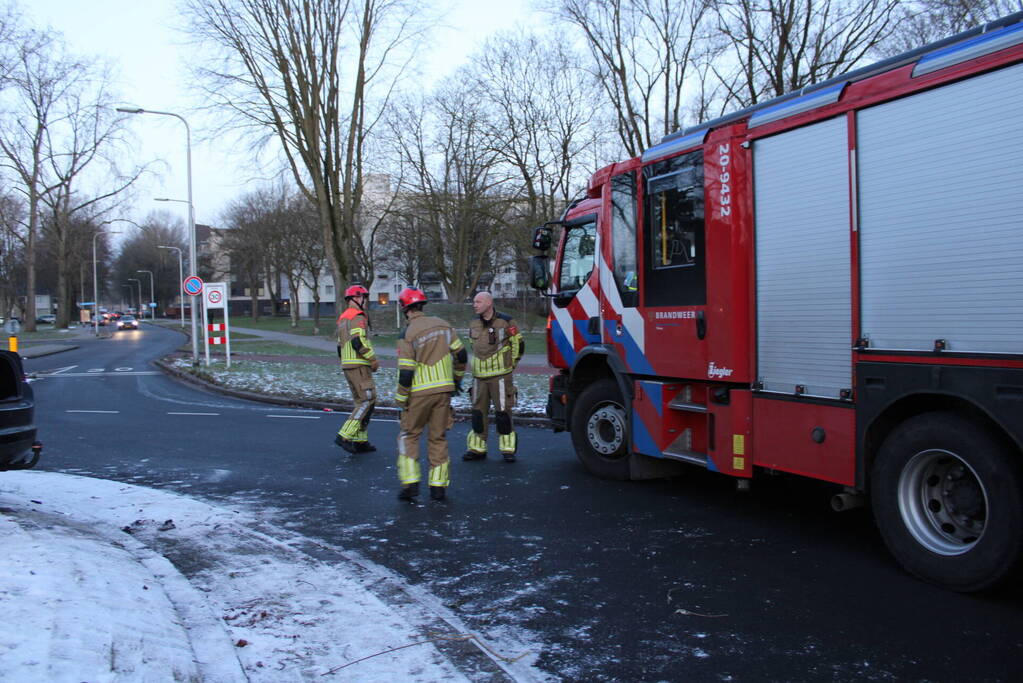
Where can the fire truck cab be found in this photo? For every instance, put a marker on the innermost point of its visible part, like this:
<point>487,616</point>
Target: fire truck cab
<point>828,284</point>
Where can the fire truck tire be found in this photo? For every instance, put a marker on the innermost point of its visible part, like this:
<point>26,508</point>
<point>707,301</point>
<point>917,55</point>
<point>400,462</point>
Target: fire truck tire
<point>600,432</point>
<point>948,501</point>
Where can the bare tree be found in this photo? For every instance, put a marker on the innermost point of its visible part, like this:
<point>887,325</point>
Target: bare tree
<point>771,47</point>
<point>140,251</point>
<point>84,139</point>
<point>410,254</point>
<point>457,188</point>
<point>12,252</point>
<point>10,26</point>
<point>642,51</point>
<point>281,73</point>
<point>925,21</point>
<point>304,240</point>
<point>256,242</point>
<point>542,120</point>
<point>41,76</point>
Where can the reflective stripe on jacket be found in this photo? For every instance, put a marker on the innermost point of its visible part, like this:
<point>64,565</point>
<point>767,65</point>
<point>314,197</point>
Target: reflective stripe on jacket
<point>352,324</point>
<point>497,345</point>
<point>428,347</point>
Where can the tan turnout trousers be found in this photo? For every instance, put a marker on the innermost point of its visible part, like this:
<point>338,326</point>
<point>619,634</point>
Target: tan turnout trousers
<point>432,412</point>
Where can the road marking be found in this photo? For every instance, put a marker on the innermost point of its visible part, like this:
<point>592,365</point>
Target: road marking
<point>101,373</point>
<point>297,417</point>
<point>111,412</point>
<point>193,413</point>
<point>60,370</point>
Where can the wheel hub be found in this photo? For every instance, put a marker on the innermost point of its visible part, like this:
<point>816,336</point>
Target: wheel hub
<point>943,502</point>
<point>605,429</point>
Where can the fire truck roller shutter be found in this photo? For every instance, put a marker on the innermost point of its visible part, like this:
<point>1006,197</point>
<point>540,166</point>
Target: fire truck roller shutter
<point>940,216</point>
<point>804,327</point>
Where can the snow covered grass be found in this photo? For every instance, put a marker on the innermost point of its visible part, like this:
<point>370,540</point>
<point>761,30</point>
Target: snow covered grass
<point>110,581</point>
<point>314,382</point>
<point>274,348</point>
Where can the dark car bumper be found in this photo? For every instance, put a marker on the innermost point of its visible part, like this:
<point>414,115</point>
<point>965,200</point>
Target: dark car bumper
<point>17,416</point>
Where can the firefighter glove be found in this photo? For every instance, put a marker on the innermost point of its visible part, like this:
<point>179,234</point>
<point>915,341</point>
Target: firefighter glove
<point>374,365</point>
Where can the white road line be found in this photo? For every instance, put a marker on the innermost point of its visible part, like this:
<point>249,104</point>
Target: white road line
<point>193,413</point>
<point>297,417</point>
<point>111,412</point>
<point>100,373</point>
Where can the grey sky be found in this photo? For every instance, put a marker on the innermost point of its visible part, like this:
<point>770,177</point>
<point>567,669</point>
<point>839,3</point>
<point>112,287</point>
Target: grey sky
<point>140,40</point>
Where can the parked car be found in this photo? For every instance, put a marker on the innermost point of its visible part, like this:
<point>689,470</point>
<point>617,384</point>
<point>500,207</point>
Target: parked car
<point>127,322</point>
<point>47,319</point>
<point>19,449</point>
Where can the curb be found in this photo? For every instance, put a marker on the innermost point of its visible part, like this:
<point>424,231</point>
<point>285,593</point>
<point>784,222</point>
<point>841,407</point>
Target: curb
<point>461,415</point>
<point>45,350</point>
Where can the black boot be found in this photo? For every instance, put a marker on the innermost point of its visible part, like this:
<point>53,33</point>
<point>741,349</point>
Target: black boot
<point>364,447</point>
<point>473,455</point>
<point>409,492</point>
<point>508,457</point>
<point>437,493</point>
<point>344,443</point>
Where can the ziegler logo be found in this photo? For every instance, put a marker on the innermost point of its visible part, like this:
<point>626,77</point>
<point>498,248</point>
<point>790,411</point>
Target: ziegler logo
<point>724,159</point>
<point>715,371</point>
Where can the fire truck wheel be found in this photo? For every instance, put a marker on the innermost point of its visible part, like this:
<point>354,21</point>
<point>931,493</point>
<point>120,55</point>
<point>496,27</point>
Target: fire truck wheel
<point>600,430</point>
<point>948,500</point>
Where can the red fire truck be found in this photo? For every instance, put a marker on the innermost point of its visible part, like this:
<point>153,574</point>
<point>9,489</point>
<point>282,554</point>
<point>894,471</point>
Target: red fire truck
<point>828,284</point>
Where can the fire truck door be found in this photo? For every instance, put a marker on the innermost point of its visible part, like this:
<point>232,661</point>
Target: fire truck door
<point>674,272</point>
<point>622,324</point>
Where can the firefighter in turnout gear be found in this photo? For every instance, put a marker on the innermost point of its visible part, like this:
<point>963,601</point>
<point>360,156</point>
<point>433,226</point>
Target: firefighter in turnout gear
<point>359,362</point>
<point>497,346</point>
<point>431,362</point>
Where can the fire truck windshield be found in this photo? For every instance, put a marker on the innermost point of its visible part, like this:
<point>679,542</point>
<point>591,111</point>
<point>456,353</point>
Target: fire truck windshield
<point>577,257</point>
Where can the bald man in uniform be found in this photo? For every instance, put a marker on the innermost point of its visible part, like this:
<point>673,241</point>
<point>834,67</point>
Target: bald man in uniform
<point>497,347</point>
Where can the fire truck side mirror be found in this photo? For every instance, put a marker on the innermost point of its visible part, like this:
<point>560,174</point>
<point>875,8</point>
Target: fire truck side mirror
<point>539,273</point>
<point>542,238</point>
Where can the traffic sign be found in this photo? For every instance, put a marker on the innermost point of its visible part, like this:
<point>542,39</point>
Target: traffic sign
<point>193,285</point>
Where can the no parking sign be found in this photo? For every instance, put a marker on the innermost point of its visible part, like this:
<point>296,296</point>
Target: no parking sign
<point>192,285</point>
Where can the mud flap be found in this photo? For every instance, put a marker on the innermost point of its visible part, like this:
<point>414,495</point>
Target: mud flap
<point>646,467</point>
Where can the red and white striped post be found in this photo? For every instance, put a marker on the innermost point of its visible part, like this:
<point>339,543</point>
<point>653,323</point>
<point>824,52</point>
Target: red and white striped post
<point>217,333</point>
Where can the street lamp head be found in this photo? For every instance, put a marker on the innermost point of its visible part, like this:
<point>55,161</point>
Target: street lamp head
<point>131,110</point>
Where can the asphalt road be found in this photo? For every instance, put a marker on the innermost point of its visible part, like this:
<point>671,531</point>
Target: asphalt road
<point>680,580</point>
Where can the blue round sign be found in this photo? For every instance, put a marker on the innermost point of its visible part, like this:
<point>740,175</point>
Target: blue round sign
<point>193,285</point>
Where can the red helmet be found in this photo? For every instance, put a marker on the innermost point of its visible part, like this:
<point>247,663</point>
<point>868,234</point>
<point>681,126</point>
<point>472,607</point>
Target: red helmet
<point>409,296</point>
<point>355,290</point>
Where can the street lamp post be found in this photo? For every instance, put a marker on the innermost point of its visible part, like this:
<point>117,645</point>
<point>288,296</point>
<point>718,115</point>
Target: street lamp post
<point>95,286</point>
<point>152,296</point>
<point>181,282</point>
<point>139,282</point>
<point>191,213</point>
